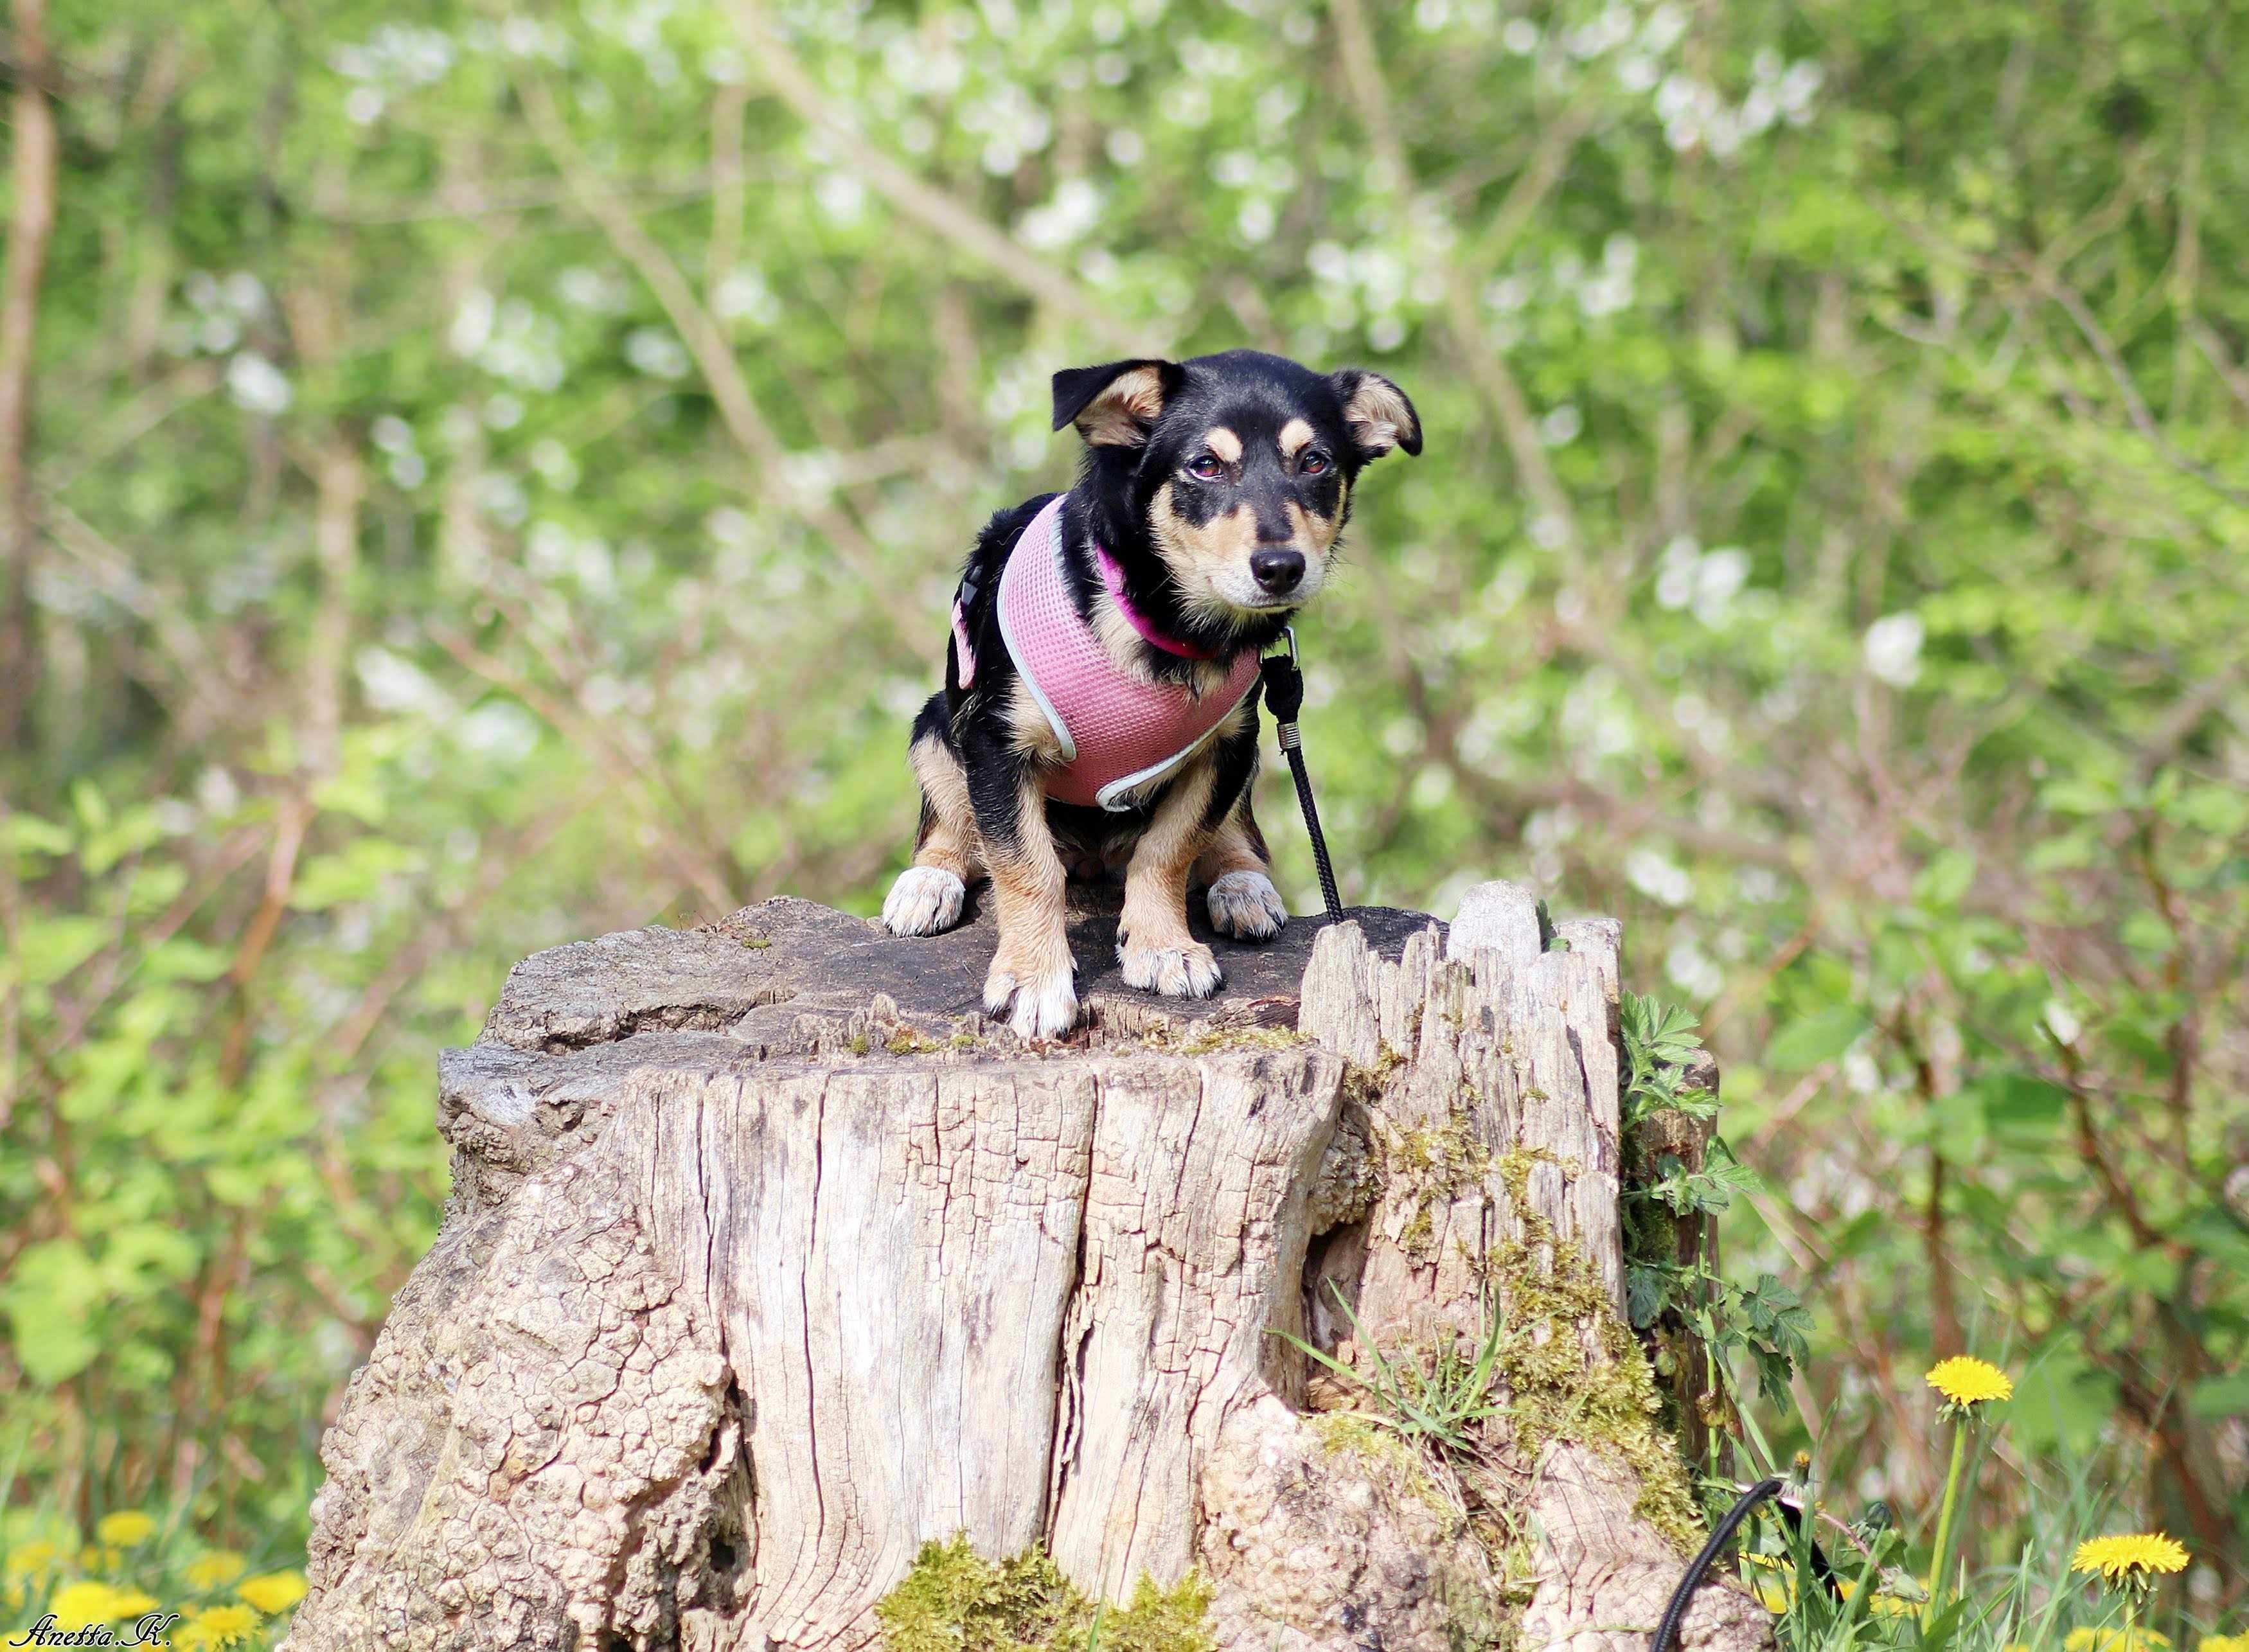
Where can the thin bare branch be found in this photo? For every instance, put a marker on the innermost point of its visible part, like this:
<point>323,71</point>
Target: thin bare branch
<point>950,218</point>
<point>714,356</point>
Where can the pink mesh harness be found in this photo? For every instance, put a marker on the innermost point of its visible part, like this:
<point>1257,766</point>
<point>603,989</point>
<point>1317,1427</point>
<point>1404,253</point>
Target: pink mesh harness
<point>1117,732</point>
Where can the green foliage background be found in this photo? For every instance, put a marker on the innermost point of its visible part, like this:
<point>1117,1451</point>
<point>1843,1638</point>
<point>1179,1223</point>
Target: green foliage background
<point>498,477</point>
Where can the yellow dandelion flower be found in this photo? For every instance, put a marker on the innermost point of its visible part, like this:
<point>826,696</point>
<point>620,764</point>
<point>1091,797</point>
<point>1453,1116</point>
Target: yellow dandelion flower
<point>132,1603</point>
<point>272,1590</point>
<point>1965,1382</point>
<point>125,1528</point>
<point>1778,1592</point>
<point>76,1605</point>
<point>2132,1558</point>
<point>216,1569</point>
<point>218,1626</point>
<point>2224,1643</point>
<point>2106,1640</point>
<point>29,1558</point>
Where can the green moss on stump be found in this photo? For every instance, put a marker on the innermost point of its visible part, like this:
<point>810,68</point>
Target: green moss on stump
<point>1428,1165</point>
<point>956,1601</point>
<point>1216,1040</point>
<point>1343,1433</point>
<point>1556,1390</point>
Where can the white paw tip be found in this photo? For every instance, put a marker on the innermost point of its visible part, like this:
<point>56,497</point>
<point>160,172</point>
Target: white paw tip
<point>1045,1007</point>
<point>924,900</point>
<point>1189,971</point>
<point>1245,905</point>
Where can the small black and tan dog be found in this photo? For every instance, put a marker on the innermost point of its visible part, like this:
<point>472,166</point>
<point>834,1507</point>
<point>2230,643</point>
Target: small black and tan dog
<point>1099,707</point>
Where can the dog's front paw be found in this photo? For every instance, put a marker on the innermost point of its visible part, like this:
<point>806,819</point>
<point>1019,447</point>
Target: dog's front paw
<point>1177,972</point>
<point>1043,1007</point>
<point>924,901</point>
<point>1247,906</point>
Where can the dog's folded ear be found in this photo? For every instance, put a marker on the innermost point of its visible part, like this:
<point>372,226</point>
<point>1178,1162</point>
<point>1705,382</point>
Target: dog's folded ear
<point>1377,412</point>
<point>1114,404</point>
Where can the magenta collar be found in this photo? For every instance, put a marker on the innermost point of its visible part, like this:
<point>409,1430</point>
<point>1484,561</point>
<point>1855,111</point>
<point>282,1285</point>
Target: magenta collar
<point>1113,577</point>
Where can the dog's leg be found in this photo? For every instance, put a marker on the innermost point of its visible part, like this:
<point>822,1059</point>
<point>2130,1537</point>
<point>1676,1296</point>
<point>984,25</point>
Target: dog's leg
<point>1236,868</point>
<point>1153,941</point>
<point>927,896</point>
<point>1033,980</point>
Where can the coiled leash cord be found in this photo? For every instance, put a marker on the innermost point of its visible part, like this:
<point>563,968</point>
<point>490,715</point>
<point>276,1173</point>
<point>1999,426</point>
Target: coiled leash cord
<point>1666,1632</point>
<point>1284,697</point>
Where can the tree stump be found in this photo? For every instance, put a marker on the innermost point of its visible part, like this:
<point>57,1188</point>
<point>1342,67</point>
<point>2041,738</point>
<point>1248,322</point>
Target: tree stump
<point>770,1260</point>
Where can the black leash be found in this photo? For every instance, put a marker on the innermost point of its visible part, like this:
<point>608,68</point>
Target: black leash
<point>1284,697</point>
<point>1666,1632</point>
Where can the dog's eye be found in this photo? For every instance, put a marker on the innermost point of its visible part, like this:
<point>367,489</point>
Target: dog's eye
<point>1314,464</point>
<point>1205,467</point>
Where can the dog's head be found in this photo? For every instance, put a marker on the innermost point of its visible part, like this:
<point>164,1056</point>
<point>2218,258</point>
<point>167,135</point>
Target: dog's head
<point>1234,470</point>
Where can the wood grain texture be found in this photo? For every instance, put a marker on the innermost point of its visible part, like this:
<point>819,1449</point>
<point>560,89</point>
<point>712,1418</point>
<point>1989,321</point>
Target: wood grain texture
<point>1195,1233</point>
<point>890,1286</point>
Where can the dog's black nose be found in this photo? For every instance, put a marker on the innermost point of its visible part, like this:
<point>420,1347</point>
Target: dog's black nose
<point>1278,572</point>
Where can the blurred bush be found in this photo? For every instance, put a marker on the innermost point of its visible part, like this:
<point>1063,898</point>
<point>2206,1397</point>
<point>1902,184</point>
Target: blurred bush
<point>498,477</point>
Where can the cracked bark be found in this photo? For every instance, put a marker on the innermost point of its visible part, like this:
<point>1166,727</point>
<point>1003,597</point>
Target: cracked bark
<point>769,1260</point>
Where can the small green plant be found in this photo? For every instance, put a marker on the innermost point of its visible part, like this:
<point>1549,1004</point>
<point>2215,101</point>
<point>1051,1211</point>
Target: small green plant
<point>1440,1407</point>
<point>1766,1323</point>
<point>1660,1048</point>
<point>1970,1387</point>
<point>1706,1191</point>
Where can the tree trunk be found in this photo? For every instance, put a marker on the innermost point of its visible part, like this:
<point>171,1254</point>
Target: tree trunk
<point>770,1261</point>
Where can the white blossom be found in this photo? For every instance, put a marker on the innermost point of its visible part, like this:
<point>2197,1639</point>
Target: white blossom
<point>1658,877</point>
<point>1892,647</point>
<point>257,385</point>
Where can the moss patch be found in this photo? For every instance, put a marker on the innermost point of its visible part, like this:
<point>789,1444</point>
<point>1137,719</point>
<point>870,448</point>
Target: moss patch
<point>1342,1434</point>
<point>1364,1084</point>
<point>1211,1040</point>
<point>956,1601</point>
<point>1430,1164</point>
<point>1558,1389</point>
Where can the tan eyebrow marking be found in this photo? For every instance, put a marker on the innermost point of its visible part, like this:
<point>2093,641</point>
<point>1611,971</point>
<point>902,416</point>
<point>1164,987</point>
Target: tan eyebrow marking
<point>1295,436</point>
<point>1224,443</point>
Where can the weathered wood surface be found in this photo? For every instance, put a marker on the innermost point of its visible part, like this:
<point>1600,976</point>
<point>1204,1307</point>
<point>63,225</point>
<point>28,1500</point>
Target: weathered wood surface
<point>769,1259</point>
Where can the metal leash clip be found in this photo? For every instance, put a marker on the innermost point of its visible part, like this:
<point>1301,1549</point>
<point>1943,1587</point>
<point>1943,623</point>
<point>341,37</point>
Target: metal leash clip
<point>1284,697</point>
